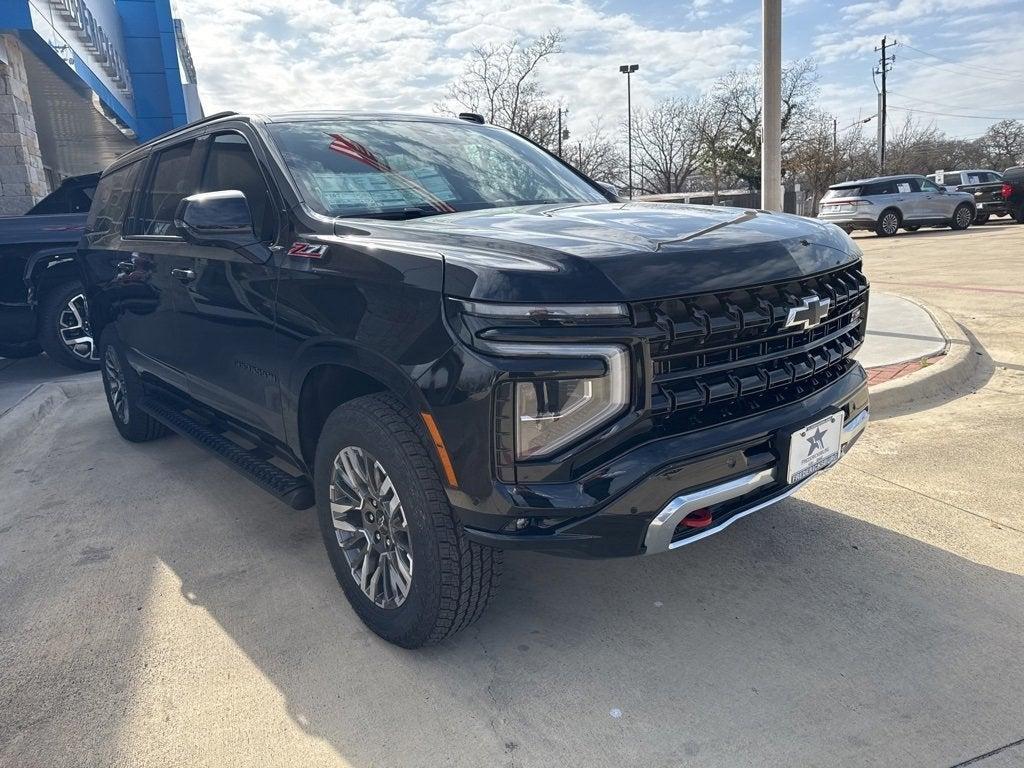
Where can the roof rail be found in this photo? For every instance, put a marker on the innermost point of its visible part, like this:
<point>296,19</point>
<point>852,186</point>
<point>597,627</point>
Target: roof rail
<point>193,124</point>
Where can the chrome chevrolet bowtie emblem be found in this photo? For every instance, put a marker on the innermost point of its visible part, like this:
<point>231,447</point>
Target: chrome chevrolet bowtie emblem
<point>810,313</point>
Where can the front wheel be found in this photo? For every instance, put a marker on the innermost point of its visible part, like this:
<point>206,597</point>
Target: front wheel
<point>962,217</point>
<point>64,332</point>
<point>400,556</point>
<point>981,218</point>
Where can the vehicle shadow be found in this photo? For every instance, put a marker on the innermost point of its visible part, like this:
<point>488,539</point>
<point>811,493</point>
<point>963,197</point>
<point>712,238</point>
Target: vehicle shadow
<point>799,636</point>
<point>811,631</point>
<point>992,224</point>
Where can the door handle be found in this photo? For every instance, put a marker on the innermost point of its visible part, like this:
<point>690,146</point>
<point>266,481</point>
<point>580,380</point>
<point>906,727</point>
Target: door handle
<point>125,266</point>
<point>184,275</point>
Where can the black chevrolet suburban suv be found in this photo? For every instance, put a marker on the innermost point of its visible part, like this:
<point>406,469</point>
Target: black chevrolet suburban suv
<point>452,343</point>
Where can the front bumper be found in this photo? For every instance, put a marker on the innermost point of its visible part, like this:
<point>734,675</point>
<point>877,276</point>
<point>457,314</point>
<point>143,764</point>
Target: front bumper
<point>733,470</point>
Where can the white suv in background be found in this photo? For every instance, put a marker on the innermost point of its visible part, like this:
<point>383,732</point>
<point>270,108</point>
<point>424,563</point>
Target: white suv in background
<point>889,203</point>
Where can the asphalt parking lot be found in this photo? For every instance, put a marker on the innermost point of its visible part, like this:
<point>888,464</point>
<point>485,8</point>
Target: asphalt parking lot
<point>159,610</point>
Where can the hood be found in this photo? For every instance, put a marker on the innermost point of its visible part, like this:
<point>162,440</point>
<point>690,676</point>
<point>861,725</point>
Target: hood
<point>621,251</point>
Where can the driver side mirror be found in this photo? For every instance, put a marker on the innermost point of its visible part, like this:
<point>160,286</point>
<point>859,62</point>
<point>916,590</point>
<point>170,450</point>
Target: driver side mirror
<point>220,220</point>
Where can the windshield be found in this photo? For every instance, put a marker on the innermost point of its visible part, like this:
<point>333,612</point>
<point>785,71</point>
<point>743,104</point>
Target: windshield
<point>405,168</point>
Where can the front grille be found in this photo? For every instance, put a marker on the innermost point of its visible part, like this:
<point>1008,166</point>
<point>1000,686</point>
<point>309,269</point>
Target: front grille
<point>725,355</point>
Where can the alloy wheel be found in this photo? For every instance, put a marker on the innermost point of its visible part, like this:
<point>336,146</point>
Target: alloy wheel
<point>963,218</point>
<point>370,527</point>
<point>890,223</point>
<point>74,329</point>
<point>116,384</point>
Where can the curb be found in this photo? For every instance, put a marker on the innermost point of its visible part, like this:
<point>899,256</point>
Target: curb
<point>949,375</point>
<point>24,416</point>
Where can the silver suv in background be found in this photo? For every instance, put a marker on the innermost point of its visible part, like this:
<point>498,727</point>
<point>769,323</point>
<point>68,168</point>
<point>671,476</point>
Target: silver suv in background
<point>889,203</point>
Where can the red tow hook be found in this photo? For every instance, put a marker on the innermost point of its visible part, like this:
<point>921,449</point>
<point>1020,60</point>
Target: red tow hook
<point>700,518</point>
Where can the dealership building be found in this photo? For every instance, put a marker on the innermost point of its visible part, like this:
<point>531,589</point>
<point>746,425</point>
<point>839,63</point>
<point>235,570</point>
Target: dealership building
<point>82,82</point>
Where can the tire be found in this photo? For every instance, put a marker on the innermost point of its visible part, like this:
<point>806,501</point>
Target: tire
<point>63,317</point>
<point>1018,215</point>
<point>124,391</point>
<point>962,217</point>
<point>450,579</point>
<point>888,223</point>
<point>20,350</point>
<point>981,218</point>
<point>912,227</point>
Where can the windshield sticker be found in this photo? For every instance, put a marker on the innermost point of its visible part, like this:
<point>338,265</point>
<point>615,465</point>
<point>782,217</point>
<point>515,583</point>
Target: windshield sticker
<point>390,189</point>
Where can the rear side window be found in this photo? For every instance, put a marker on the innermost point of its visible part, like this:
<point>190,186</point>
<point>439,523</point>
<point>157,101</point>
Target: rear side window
<point>231,164</point>
<point>111,199</point>
<point>168,184</point>
<point>55,202</point>
<point>79,199</point>
<point>880,188</point>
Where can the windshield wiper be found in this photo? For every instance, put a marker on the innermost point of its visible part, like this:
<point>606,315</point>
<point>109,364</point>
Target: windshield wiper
<point>399,214</point>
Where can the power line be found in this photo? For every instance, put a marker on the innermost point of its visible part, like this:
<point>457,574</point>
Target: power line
<point>954,62</point>
<point>950,114</point>
<point>959,68</point>
<point>946,104</point>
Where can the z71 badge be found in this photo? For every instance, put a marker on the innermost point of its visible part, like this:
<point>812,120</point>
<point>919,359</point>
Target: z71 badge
<point>307,250</point>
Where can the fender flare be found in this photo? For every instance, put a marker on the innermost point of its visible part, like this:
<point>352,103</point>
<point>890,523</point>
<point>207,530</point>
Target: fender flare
<point>43,260</point>
<point>346,354</point>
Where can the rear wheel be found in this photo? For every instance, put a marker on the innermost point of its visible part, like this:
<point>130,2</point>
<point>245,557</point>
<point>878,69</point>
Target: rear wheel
<point>962,217</point>
<point>124,393</point>
<point>888,223</point>
<point>398,552</point>
<point>64,332</point>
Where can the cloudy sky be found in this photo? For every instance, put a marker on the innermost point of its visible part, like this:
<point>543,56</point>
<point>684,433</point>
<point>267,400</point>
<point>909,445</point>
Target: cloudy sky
<point>272,55</point>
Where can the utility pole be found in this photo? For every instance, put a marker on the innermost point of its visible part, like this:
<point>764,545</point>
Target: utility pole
<point>560,132</point>
<point>771,99</point>
<point>835,143</point>
<point>884,65</point>
<point>628,70</point>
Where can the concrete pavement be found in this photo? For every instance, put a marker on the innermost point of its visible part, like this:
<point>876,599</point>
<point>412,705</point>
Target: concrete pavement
<point>159,610</point>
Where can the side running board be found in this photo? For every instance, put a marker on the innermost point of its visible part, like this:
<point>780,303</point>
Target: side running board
<point>294,491</point>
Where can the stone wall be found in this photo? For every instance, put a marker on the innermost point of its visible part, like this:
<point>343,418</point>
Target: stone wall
<point>22,178</point>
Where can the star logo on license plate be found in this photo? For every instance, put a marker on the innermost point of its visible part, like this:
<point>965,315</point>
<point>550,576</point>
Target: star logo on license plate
<point>816,442</point>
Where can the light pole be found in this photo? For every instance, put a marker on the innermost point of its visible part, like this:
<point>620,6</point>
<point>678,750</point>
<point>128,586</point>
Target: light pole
<point>627,70</point>
<point>771,100</point>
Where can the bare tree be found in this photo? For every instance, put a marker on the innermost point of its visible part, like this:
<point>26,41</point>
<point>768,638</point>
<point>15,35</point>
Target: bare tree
<point>597,155</point>
<point>740,93</point>
<point>1003,144</point>
<point>500,83</point>
<point>666,145</point>
<point>712,124</point>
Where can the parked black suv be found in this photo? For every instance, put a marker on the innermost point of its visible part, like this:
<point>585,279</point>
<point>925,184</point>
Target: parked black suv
<point>452,344</point>
<point>41,301</point>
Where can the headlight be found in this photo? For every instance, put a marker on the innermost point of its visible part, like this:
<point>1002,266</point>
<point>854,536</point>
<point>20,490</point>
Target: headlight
<point>551,413</point>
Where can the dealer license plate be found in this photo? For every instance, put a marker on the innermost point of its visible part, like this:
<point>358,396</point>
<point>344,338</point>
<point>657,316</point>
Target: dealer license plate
<point>814,447</point>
